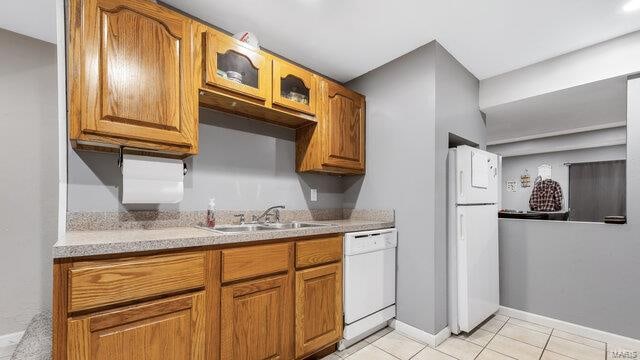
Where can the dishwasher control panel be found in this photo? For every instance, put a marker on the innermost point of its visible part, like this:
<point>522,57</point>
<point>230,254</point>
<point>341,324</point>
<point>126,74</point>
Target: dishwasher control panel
<point>368,241</point>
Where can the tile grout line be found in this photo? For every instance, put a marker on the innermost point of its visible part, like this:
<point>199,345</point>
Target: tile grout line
<point>385,351</point>
<point>524,327</point>
<point>546,344</point>
<point>524,342</point>
<point>551,334</point>
<point>451,356</point>
<point>557,353</point>
<point>579,343</point>
<point>493,337</point>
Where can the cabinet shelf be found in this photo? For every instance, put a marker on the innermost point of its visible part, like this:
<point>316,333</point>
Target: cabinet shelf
<point>230,103</point>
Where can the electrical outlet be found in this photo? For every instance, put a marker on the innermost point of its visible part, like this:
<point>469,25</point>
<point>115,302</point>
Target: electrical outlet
<point>314,194</point>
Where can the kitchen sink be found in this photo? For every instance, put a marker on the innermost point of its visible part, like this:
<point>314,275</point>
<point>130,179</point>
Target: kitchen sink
<point>238,228</point>
<point>293,225</point>
<point>262,227</point>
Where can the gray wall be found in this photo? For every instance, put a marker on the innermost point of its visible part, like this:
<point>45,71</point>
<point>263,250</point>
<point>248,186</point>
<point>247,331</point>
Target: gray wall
<point>513,167</point>
<point>29,162</point>
<point>457,112</point>
<point>584,273</point>
<point>244,163</point>
<point>413,103</point>
<point>400,172</point>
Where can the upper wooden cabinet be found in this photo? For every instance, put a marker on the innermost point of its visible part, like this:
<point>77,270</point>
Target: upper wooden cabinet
<point>137,72</point>
<point>240,79</point>
<point>166,329</point>
<point>234,66</point>
<point>130,76</point>
<point>293,87</point>
<point>337,143</point>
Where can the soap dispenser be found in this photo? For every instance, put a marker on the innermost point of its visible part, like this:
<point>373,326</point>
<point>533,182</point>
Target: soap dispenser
<point>211,216</point>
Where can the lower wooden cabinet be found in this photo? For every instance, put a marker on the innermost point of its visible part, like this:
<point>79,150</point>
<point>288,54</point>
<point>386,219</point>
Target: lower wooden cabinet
<point>256,320</point>
<point>172,328</point>
<point>318,308</point>
<point>276,301</point>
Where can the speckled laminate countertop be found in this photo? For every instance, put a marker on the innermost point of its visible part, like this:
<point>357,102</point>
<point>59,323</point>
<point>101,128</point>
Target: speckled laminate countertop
<point>91,243</point>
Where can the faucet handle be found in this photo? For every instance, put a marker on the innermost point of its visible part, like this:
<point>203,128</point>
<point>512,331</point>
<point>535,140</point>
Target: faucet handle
<point>241,216</point>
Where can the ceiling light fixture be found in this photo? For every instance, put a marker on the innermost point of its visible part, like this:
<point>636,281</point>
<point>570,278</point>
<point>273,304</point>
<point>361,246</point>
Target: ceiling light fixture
<point>632,5</point>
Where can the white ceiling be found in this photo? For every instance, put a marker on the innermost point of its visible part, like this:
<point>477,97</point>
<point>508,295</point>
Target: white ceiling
<point>35,18</point>
<point>346,38</point>
<point>582,107</point>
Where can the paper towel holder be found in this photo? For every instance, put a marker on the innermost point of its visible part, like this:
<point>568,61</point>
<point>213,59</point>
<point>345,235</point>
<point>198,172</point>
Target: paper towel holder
<point>121,153</point>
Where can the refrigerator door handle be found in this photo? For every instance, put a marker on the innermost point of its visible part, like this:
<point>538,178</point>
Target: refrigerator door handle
<point>462,229</point>
<point>461,184</point>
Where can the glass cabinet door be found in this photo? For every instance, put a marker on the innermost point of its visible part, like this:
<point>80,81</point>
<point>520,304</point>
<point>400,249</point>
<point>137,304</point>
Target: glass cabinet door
<point>236,66</point>
<point>294,87</point>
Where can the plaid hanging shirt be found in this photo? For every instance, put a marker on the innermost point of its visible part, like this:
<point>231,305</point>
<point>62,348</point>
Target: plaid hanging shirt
<point>546,196</point>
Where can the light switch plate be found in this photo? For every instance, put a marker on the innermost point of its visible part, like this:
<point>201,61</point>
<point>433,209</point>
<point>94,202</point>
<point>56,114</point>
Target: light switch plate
<point>314,194</point>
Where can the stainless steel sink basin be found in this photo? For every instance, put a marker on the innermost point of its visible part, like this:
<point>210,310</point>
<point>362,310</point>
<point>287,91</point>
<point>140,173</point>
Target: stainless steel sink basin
<point>294,225</point>
<point>238,228</point>
<point>262,227</point>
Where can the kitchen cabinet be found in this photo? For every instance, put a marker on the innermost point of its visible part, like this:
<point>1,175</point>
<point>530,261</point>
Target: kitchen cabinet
<point>256,321</point>
<point>133,279</point>
<point>293,87</point>
<point>172,328</point>
<point>280,300</point>
<point>137,72</point>
<point>238,78</point>
<point>131,77</point>
<point>318,308</point>
<point>236,67</point>
<point>336,144</point>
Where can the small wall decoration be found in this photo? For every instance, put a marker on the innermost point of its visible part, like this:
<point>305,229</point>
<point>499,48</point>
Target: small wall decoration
<point>525,179</point>
<point>511,185</point>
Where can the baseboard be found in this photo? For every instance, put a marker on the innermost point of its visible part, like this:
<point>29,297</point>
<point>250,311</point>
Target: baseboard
<point>618,340</point>
<point>420,335</point>
<point>9,342</point>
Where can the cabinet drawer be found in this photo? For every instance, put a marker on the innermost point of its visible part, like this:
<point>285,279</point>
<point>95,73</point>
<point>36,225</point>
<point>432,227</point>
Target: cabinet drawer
<point>248,262</point>
<point>100,283</point>
<point>319,251</point>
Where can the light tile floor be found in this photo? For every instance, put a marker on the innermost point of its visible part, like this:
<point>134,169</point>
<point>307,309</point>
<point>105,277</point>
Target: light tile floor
<point>498,338</point>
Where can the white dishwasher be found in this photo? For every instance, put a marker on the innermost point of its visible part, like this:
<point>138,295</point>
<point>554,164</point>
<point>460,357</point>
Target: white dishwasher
<point>369,283</point>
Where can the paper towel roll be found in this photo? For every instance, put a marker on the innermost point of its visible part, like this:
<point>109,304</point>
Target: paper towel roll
<point>149,180</point>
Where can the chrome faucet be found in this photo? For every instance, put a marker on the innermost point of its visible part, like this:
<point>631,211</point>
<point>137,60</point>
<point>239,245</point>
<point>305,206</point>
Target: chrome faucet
<point>240,218</point>
<point>267,213</point>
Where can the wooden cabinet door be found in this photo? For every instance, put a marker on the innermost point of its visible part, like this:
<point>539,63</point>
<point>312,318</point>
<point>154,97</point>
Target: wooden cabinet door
<point>172,329</point>
<point>293,87</point>
<point>318,308</point>
<point>131,76</point>
<point>227,57</point>
<point>344,127</point>
<point>256,320</point>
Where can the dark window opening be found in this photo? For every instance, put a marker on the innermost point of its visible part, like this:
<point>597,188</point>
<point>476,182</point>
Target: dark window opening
<point>597,190</point>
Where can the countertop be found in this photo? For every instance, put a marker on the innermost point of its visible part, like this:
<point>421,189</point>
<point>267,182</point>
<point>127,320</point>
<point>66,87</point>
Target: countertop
<point>91,243</point>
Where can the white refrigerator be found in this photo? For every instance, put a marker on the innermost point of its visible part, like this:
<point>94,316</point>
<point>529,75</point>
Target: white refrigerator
<point>473,204</point>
